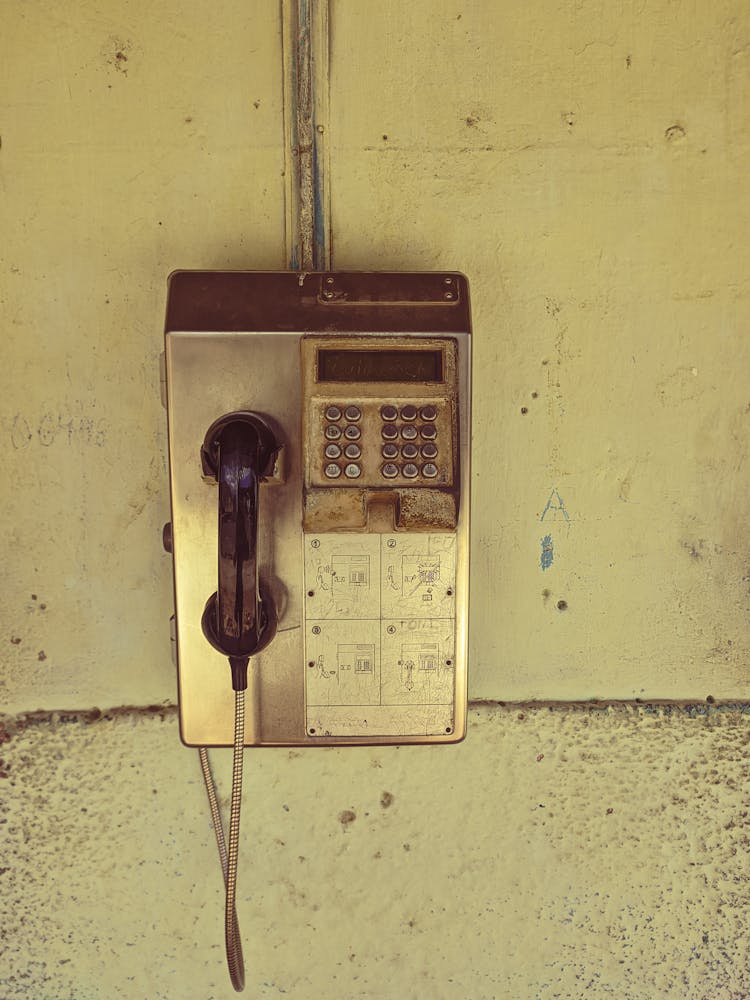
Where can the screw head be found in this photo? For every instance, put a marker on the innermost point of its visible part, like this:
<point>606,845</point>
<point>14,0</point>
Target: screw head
<point>448,296</point>
<point>315,543</point>
<point>316,630</point>
<point>391,543</point>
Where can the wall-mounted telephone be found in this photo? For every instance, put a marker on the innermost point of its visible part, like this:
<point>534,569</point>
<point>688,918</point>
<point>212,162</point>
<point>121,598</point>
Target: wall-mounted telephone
<point>319,438</point>
<point>351,392</point>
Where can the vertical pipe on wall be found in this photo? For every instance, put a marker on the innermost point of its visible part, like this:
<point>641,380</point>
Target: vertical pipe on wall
<point>305,46</point>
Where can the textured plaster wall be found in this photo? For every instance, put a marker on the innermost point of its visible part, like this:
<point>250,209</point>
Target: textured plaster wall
<point>585,164</point>
<point>587,852</point>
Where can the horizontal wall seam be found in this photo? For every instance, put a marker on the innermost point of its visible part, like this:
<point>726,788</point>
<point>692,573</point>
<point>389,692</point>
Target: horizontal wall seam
<point>14,724</point>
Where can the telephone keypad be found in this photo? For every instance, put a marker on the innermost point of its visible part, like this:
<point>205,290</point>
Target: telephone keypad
<point>408,433</point>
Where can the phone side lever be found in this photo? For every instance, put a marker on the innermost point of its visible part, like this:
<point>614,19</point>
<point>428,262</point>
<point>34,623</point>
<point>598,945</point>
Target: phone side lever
<point>239,620</point>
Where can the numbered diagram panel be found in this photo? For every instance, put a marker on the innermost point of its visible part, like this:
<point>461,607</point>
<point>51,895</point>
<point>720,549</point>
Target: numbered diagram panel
<point>380,634</point>
<point>342,577</point>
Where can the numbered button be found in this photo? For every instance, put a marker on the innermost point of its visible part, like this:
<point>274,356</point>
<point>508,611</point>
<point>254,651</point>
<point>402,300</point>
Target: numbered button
<point>352,451</point>
<point>352,433</point>
<point>333,413</point>
<point>410,470</point>
<point>429,470</point>
<point>428,412</point>
<point>389,470</point>
<point>352,471</point>
<point>429,450</point>
<point>388,412</point>
<point>408,432</point>
<point>428,432</point>
<point>408,412</point>
<point>389,432</point>
<point>410,451</point>
<point>333,451</point>
<point>352,413</point>
<point>332,432</point>
<point>333,471</point>
<point>390,451</point>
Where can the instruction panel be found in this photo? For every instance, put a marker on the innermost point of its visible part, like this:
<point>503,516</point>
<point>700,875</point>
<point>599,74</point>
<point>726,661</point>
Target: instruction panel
<point>380,626</point>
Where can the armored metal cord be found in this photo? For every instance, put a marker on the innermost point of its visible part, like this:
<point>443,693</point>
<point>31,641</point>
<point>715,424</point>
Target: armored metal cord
<point>228,858</point>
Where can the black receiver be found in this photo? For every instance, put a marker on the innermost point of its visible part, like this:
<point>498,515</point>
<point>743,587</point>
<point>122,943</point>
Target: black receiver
<point>239,620</point>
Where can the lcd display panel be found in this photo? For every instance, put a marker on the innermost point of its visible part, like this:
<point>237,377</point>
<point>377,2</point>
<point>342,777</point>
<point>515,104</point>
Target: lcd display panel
<point>380,366</point>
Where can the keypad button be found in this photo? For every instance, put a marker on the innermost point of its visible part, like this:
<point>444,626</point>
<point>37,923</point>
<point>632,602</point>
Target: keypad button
<point>352,433</point>
<point>333,451</point>
<point>390,451</point>
<point>333,413</point>
<point>389,470</point>
<point>429,470</point>
<point>388,412</point>
<point>408,432</point>
<point>408,412</point>
<point>429,450</point>
<point>352,471</point>
<point>410,451</point>
<point>352,451</point>
<point>389,432</point>
<point>410,470</point>
<point>352,413</point>
<point>332,470</point>
<point>428,412</point>
<point>428,432</point>
<point>332,432</point>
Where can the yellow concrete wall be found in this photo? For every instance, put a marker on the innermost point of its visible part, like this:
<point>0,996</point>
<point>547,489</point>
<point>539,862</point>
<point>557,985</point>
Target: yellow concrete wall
<point>584,164</point>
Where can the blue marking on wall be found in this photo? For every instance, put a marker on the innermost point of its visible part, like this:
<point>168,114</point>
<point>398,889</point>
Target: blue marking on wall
<point>548,552</point>
<point>555,503</point>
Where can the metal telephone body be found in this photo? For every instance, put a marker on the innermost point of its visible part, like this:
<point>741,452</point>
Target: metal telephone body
<point>363,518</point>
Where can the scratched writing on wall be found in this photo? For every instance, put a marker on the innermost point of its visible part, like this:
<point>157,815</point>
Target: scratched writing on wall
<point>55,427</point>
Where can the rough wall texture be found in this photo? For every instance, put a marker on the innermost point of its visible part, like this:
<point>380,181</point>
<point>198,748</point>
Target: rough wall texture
<point>554,854</point>
<point>586,164</point>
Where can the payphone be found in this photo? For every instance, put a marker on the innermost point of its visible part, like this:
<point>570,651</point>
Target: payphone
<point>319,441</point>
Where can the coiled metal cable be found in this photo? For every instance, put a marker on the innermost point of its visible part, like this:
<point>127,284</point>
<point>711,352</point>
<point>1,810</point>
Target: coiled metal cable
<point>228,858</point>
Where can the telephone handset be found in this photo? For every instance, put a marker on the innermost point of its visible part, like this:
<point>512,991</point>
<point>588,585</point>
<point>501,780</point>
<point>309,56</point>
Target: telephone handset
<point>239,619</point>
<point>319,434</point>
